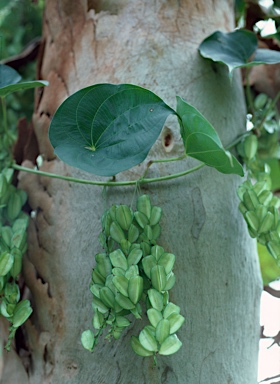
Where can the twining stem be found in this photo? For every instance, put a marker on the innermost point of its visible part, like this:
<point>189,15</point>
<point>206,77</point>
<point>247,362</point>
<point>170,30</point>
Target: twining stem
<point>5,121</point>
<point>272,105</point>
<point>10,338</point>
<point>169,159</point>
<point>100,331</point>
<point>248,92</point>
<point>141,180</point>
<point>237,140</point>
<point>155,360</point>
<point>151,162</point>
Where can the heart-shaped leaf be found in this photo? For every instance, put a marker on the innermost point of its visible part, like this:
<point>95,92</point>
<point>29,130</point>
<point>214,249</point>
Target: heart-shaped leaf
<point>236,49</point>
<point>106,129</point>
<point>8,76</point>
<point>202,142</point>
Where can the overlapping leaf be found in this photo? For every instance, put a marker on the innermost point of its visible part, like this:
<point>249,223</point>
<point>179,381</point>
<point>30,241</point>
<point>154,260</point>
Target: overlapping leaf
<point>202,142</point>
<point>8,76</point>
<point>9,81</point>
<point>106,129</point>
<point>236,49</point>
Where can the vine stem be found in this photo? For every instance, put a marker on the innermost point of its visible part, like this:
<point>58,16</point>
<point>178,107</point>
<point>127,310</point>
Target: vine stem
<point>4,110</point>
<point>100,331</point>
<point>259,127</point>
<point>151,162</point>
<point>248,92</point>
<point>237,140</point>
<point>169,159</point>
<point>141,180</point>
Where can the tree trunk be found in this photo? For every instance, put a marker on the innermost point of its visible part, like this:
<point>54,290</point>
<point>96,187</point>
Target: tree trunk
<point>152,44</point>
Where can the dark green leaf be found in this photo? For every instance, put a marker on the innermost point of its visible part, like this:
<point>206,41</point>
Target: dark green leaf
<point>8,76</point>
<point>22,86</point>
<point>105,129</point>
<point>202,142</point>
<point>237,49</point>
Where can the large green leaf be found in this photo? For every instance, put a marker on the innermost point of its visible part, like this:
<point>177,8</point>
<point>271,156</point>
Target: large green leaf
<point>21,86</point>
<point>236,49</point>
<point>8,76</point>
<point>106,129</point>
<point>202,142</point>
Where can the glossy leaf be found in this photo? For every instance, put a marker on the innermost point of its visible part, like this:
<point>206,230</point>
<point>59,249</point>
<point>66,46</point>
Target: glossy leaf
<point>235,50</point>
<point>202,142</point>
<point>105,129</point>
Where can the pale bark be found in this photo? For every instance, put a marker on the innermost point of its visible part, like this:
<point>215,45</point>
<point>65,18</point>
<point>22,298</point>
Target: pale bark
<point>152,44</point>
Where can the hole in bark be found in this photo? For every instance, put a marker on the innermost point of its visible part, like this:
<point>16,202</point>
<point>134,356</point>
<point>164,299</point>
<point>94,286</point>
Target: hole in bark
<point>45,355</point>
<point>40,92</point>
<point>71,366</point>
<point>103,5</point>
<point>45,113</point>
<point>20,342</point>
<point>91,4</point>
<point>43,282</point>
<point>167,139</point>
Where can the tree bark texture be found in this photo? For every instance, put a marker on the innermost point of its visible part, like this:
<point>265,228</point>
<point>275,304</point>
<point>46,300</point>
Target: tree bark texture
<point>152,44</point>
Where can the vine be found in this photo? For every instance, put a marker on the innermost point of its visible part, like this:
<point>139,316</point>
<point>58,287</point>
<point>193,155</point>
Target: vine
<point>106,129</point>
<point>259,206</point>
<point>260,145</point>
<point>13,219</point>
